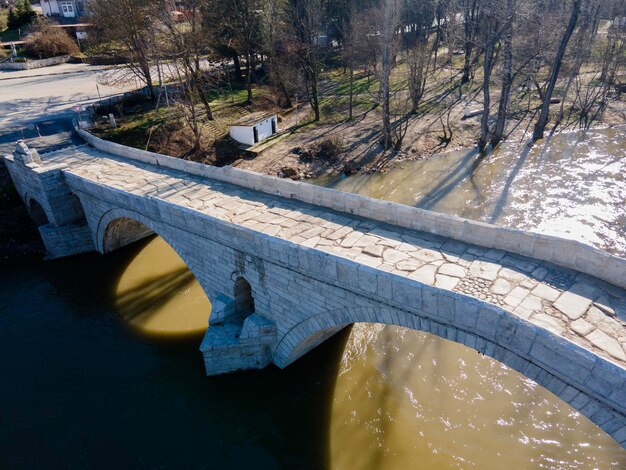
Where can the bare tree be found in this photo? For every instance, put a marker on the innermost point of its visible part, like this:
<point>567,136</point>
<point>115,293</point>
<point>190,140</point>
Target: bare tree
<point>274,31</point>
<point>186,44</point>
<point>419,23</point>
<point>418,61</point>
<point>388,25</point>
<point>124,32</point>
<point>240,25</point>
<point>306,16</point>
<point>557,63</point>
<point>507,73</point>
<point>471,22</point>
<point>491,35</point>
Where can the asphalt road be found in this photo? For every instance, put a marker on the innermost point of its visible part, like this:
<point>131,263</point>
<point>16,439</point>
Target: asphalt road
<point>37,105</point>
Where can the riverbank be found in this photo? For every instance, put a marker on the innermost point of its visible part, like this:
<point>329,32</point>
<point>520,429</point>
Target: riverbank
<point>448,118</point>
<point>18,234</point>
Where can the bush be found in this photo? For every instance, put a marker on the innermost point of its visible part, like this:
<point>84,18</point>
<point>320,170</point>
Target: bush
<point>21,15</point>
<point>49,41</point>
<point>13,21</point>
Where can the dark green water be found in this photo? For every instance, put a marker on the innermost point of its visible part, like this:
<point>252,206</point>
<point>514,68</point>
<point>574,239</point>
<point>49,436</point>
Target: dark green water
<point>80,390</point>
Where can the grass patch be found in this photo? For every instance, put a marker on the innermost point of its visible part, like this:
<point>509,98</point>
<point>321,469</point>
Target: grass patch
<point>236,94</point>
<point>361,84</point>
<point>134,130</point>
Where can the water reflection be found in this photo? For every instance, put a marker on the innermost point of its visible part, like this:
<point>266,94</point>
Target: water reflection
<point>158,295</point>
<point>405,399</point>
<point>572,186</point>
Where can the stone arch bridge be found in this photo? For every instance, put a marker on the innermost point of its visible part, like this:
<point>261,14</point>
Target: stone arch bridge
<point>286,265</point>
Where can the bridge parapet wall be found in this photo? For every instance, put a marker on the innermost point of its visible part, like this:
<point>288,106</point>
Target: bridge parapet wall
<point>567,253</point>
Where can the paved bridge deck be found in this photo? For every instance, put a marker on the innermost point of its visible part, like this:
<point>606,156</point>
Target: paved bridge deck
<point>586,310</point>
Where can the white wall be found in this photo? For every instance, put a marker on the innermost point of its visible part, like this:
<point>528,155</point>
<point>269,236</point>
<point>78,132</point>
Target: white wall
<point>265,128</point>
<point>50,7</point>
<point>245,135</point>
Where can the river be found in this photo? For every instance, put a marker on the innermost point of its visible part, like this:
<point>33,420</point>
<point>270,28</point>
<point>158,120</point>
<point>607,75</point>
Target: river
<point>100,368</point>
<point>574,186</point>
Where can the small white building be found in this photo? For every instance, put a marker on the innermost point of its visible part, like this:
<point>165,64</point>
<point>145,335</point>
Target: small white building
<point>64,8</point>
<point>254,128</point>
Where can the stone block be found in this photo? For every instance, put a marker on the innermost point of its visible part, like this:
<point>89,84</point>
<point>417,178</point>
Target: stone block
<point>223,307</point>
<point>572,305</point>
<point>446,306</point>
<point>367,278</point>
<point>257,328</point>
<point>406,293</point>
<point>466,312</point>
<point>384,290</point>
<point>488,321</point>
<point>563,365</point>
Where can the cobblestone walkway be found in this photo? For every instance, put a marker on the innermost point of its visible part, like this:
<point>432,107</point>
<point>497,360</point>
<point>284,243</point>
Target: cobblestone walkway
<point>584,309</point>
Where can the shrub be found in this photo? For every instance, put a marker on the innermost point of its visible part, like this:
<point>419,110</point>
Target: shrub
<point>329,149</point>
<point>21,15</point>
<point>49,41</point>
<point>13,21</point>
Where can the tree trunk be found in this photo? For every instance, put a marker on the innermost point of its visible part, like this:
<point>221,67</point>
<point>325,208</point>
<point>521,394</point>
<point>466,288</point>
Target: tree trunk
<point>542,122</point>
<point>351,99</point>
<point>315,104</point>
<point>283,91</point>
<point>145,69</point>
<point>250,71</point>
<point>507,76</point>
<point>469,20</point>
<point>487,67</point>
<point>384,89</point>
<point>237,63</point>
<point>205,101</point>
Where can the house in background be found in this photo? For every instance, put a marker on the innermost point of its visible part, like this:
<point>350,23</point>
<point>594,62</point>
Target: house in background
<point>63,8</point>
<point>254,128</point>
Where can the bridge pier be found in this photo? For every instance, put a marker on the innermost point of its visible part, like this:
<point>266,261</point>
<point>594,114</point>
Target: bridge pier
<point>57,212</point>
<point>232,343</point>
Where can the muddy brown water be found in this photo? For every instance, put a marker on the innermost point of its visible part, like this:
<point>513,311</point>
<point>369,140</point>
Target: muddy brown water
<point>100,369</point>
<point>572,186</point>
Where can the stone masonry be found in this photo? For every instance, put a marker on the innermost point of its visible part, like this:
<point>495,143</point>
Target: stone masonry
<point>313,271</point>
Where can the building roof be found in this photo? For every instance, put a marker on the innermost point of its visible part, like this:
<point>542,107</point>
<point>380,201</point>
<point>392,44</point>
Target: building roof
<point>252,119</point>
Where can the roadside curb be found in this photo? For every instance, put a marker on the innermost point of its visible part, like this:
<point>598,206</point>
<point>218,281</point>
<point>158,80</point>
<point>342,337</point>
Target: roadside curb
<point>43,75</point>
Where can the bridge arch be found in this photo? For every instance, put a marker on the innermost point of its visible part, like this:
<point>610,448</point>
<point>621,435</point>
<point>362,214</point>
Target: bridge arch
<point>244,300</point>
<point>117,228</point>
<point>37,212</point>
<point>313,331</point>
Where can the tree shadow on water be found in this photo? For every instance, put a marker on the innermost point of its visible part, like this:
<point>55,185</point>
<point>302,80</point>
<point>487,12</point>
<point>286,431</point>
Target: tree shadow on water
<point>452,179</point>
